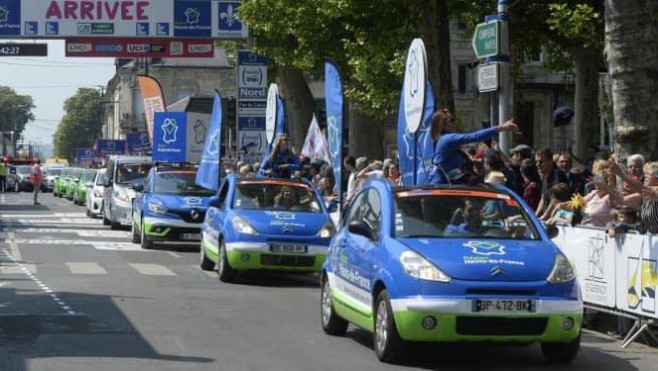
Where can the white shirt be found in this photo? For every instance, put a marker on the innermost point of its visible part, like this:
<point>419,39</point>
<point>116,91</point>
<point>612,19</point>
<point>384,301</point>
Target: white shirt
<point>351,183</point>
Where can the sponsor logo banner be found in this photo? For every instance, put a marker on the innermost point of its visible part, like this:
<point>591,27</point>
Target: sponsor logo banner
<point>139,48</point>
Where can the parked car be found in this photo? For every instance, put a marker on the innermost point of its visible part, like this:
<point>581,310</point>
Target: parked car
<point>50,175</point>
<point>94,196</point>
<point>265,224</point>
<point>72,184</point>
<point>12,179</point>
<point>122,173</point>
<point>61,182</point>
<point>449,264</point>
<point>169,206</point>
<point>86,181</point>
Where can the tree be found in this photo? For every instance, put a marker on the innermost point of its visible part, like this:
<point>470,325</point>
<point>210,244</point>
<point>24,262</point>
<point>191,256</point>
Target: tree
<point>15,112</point>
<point>632,51</point>
<point>81,124</point>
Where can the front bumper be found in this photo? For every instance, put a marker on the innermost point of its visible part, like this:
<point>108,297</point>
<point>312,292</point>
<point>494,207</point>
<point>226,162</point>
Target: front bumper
<point>122,213</point>
<point>164,229</point>
<point>257,256</point>
<point>457,322</point>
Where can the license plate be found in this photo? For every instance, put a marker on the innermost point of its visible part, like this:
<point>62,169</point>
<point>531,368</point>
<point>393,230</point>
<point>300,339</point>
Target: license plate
<point>289,249</point>
<point>504,305</point>
<point>191,236</point>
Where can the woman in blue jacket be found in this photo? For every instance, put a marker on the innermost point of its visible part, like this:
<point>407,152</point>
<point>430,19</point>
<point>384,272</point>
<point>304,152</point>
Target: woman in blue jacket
<point>448,156</point>
<point>281,163</point>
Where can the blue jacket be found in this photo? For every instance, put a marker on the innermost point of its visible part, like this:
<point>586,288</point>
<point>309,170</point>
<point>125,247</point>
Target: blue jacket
<point>282,158</point>
<point>447,155</point>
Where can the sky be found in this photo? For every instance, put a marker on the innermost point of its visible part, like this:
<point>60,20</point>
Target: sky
<point>50,81</point>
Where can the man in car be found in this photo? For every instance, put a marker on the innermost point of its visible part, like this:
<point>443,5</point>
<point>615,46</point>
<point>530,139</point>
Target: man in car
<point>471,220</point>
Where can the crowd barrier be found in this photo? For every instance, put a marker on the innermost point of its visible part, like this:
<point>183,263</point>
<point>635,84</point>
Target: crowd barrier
<point>618,275</point>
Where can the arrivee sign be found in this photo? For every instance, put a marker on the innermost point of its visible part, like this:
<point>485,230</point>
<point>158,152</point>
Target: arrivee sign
<point>139,48</point>
<point>120,18</point>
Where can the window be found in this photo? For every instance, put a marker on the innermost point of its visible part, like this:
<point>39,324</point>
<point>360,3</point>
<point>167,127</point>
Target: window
<point>463,79</point>
<point>367,208</point>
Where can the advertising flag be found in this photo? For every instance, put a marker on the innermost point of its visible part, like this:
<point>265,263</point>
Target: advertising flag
<point>138,142</point>
<point>334,101</point>
<point>170,137</point>
<point>315,144</point>
<point>422,139</point>
<point>208,174</point>
<point>153,100</point>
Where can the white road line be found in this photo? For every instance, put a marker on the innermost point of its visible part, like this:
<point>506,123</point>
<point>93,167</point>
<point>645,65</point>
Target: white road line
<point>173,254</point>
<point>86,268</point>
<point>40,216</point>
<point>18,269</point>
<point>152,269</point>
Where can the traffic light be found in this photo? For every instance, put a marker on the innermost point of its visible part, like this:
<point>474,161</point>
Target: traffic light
<point>230,111</point>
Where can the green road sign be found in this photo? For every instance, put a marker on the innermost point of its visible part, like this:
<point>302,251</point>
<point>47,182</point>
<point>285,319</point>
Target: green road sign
<point>486,39</point>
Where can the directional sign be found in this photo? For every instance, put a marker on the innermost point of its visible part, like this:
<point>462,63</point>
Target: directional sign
<point>23,50</point>
<point>486,39</point>
<point>488,78</point>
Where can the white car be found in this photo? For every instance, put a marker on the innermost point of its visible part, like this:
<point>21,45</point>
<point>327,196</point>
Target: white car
<point>94,199</point>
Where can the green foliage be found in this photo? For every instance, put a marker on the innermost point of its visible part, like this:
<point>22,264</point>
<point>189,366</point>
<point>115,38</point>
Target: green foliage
<point>15,110</point>
<point>81,123</point>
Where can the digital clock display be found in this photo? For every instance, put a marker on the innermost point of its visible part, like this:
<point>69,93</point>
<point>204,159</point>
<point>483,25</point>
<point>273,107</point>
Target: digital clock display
<point>23,50</point>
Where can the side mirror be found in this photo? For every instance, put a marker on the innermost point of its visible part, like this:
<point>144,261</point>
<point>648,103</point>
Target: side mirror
<point>214,201</point>
<point>89,185</point>
<point>360,228</point>
<point>107,183</point>
<point>138,187</point>
<point>552,231</point>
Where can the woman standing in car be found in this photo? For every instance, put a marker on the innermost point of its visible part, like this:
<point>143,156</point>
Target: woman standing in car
<point>282,162</point>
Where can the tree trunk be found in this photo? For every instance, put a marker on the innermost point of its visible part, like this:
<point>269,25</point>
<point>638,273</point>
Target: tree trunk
<point>586,120</point>
<point>299,104</point>
<point>435,28</point>
<point>366,136</point>
<point>632,52</point>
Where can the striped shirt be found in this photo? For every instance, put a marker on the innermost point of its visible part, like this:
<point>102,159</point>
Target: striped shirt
<point>649,214</point>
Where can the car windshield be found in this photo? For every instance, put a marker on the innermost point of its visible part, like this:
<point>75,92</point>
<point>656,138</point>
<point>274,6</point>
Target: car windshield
<point>23,169</point>
<point>101,178</point>
<point>179,183</point>
<point>461,214</point>
<point>132,173</point>
<point>276,196</point>
<point>87,176</point>
<point>53,172</point>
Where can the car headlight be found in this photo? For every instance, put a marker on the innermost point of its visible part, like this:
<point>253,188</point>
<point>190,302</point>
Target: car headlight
<point>156,208</point>
<point>562,271</point>
<point>418,267</point>
<point>327,230</point>
<point>241,226</point>
<point>97,193</point>
<point>121,195</point>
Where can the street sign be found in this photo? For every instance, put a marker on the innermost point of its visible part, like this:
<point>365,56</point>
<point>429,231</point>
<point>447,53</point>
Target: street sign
<point>23,50</point>
<point>488,78</point>
<point>486,39</point>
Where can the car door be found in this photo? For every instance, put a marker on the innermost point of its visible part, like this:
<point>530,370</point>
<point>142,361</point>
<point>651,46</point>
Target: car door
<point>214,222</point>
<point>355,261</point>
<point>141,200</point>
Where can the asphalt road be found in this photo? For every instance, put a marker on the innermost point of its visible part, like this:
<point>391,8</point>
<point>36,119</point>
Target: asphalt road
<point>76,296</point>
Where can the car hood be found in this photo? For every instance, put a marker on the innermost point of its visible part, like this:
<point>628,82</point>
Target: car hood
<point>181,202</point>
<point>284,222</point>
<point>487,260</point>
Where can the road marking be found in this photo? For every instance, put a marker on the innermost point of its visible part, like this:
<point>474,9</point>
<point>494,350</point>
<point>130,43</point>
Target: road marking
<point>86,268</point>
<point>42,221</point>
<point>98,245</point>
<point>80,232</point>
<point>212,273</point>
<point>18,269</point>
<point>152,269</point>
<point>40,216</point>
<point>173,254</point>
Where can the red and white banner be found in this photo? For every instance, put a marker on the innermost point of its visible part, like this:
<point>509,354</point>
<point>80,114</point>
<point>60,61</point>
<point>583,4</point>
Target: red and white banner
<point>139,47</point>
<point>316,145</point>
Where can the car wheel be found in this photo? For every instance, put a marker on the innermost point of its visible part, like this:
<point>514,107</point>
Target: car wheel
<point>146,243</point>
<point>561,353</point>
<point>136,237</point>
<point>224,270</point>
<point>205,263</point>
<point>332,324</point>
<point>389,347</point>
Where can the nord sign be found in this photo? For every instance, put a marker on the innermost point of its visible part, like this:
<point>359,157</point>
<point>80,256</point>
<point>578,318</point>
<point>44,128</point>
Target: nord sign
<point>486,39</point>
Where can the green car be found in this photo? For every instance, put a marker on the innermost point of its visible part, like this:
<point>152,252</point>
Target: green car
<point>59,189</point>
<point>86,180</point>
<point>72,184</point>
